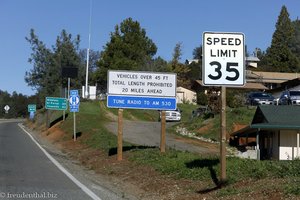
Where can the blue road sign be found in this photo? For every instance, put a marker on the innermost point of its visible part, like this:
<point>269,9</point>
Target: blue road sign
<point>74,108</point>
<point>31,115</point>
<point>74,101</point>
<point>141,102</point>
<point>73,92</point>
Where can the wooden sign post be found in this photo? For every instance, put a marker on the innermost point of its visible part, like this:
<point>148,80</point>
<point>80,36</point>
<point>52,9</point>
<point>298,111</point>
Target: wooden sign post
<point>223,135</point>
<point>163,132</point>
<point>120,135</point>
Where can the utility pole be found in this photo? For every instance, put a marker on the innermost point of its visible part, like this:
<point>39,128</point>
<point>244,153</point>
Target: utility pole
<point>86,94</point>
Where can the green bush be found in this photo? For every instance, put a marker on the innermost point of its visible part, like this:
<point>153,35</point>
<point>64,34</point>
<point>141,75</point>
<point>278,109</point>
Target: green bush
<point>235,98</point>
<point>201,98</point>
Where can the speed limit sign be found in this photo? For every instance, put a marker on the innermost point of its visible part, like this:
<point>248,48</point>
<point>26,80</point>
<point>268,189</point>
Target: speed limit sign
<point>223,59</point>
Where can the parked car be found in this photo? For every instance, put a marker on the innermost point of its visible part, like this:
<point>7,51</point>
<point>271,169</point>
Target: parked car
<point>102,96</point>
<point>203,111</point>
<point>172,115</point>
<point>289,98</point>
<point>259,98</point>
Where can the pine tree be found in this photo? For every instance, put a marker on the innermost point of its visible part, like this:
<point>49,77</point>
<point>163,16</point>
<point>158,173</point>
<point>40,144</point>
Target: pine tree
<point>196,67</point>
<point>279,56</point>
<point>128,49</point>
<point>296,42</point>
<point>180,69</point>
<point>45,76</point>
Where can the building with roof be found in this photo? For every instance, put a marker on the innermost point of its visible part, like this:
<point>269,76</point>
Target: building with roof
<point>271,80</point>
<point>184,95</point>
<point>252,61</point>
<point>274,133</point>
<point>249,85</point>
<point>202,90</point>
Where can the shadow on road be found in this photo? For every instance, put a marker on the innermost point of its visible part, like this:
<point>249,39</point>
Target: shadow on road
<point>114,151</point>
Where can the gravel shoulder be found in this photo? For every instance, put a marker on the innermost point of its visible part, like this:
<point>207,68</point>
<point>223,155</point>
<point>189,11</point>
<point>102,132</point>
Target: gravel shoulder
<point>149,134</point>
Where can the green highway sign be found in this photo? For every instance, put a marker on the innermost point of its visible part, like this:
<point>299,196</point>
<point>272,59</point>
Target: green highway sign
<point>31,108</point>
<point>55,103</point>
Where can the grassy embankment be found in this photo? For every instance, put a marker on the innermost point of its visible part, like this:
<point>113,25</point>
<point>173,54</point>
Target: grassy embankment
<point>185,165</point>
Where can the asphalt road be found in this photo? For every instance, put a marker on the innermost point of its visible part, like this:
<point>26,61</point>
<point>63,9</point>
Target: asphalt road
<point>27,173</point>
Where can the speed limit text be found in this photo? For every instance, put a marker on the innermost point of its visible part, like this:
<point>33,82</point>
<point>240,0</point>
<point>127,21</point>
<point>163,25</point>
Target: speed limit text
<point>223,42</point>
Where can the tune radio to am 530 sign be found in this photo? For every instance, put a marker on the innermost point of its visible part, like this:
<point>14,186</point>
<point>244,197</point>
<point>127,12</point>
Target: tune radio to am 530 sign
<point>223,59</point>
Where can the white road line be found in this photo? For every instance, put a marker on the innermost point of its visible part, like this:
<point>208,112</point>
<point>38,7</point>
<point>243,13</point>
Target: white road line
<point>59,166</point>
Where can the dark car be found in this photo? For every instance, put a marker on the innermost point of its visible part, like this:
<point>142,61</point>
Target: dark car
<point>203,111</point>
<point>259,98</point>
<point>289,98</point>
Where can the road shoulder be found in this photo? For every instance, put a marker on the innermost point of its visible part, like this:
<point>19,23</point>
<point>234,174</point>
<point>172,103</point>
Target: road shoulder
<point>106,187</point>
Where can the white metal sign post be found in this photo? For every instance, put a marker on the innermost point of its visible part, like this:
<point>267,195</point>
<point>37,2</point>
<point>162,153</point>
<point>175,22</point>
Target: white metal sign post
<point>223,65</point>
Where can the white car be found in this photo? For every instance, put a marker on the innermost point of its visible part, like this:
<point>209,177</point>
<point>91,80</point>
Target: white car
<point>172,115</point>
<point>289,98</point>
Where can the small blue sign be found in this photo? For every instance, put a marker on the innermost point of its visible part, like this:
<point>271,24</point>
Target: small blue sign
<point>74,101</point>
<point>73,92</point>
<point>74,108</point>
<point>31,115</point>
<point>141,102</point>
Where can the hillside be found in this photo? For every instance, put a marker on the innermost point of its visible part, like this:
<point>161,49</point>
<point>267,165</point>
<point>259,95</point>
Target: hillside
<point>174,174</point>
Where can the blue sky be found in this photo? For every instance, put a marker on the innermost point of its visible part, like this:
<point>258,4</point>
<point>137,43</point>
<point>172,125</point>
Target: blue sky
<point>166,22</point>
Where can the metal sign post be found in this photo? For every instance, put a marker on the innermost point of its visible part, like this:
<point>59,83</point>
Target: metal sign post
<point>48,118</point>
<point>74,127</point>
<point>64,112</point>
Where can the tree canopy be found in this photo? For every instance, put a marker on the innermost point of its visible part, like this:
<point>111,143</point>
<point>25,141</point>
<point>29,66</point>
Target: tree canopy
<point>45,76</point>
<point>42,60</point>
<point>180,69</point>
<point>280,56</point>
<point>295,47</point>
<point>129,48</point>
<point>196,67</point>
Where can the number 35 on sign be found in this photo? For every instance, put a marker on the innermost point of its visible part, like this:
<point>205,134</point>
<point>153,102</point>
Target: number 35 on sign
<point>223,59</point>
